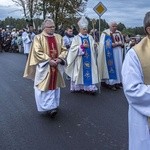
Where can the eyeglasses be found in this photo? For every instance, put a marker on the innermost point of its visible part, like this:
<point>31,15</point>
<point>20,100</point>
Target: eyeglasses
<point>50,27</point>
<point>85,29</point>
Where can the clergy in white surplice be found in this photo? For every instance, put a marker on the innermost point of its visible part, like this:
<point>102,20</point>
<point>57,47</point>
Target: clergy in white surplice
<point>27,39</point>
<point>136,84</point>
<point>111,56</point>
<point>45,66</point>
<point>81,61</point>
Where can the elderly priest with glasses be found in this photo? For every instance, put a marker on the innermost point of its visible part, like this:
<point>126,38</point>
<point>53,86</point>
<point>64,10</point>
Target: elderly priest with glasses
<point>44,66</point>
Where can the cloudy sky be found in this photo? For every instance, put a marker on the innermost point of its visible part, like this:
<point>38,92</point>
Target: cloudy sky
<point>8,8</point>
<point>128,12</point>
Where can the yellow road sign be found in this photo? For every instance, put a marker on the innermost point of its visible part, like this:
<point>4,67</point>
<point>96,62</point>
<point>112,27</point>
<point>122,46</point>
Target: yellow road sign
<point>100,9</point>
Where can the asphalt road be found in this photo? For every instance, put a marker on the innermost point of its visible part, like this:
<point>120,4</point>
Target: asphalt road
<point>84,122</point>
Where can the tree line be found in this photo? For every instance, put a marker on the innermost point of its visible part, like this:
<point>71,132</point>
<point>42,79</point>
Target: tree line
<point>21,23</point>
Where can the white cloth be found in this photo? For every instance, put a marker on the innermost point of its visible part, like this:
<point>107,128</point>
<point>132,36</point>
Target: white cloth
<point>67,40</point>
<point>14,34</point>
<point>47,100</point>
<point>138,96</point>
<point>42,69</point>
<point>27,41</point>
<point>83,22</point>
<point>78,87</point>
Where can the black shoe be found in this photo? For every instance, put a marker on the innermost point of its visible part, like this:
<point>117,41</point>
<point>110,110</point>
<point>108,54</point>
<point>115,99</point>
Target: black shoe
<point>90,92</point>
<point>53,113</point>
<point>103,84</point>
<point>113,88</point>
<point>118,86</point>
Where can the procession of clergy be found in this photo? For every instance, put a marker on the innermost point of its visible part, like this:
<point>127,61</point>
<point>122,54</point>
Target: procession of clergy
<point>85,62</point>
<point>90,63</point>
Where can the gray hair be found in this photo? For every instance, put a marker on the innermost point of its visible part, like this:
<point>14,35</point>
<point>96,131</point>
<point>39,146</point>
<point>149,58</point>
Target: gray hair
<point>45,22</point>
<point>146,21</point>
<point>111,23</point>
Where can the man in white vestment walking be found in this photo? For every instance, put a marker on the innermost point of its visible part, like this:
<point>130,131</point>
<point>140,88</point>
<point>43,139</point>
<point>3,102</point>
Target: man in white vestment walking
<point>27,39</point>
<point>67,40</point>
<point>136,85</point>
<point>45,67</point>
<point>68,37</point>
<point>81,60</point>
<point>111,52</point>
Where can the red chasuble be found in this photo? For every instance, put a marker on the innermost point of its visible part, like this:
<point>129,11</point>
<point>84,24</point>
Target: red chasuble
<point>53,51</point>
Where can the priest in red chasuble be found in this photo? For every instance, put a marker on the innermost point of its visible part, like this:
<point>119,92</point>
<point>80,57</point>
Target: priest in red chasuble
<point>45,66</point>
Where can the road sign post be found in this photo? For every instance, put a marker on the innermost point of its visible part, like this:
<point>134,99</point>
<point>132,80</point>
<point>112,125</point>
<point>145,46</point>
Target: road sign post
<point>100,9</point>
<point>93,25</point>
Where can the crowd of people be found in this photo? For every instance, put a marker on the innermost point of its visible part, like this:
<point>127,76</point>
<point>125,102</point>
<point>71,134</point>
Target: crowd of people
<point>87,60</point>
<point>12,40</point>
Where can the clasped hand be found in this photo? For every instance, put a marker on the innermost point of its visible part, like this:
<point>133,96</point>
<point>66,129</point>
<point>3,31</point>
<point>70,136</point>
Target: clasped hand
<point>55,62</point>
<point>117,44</point>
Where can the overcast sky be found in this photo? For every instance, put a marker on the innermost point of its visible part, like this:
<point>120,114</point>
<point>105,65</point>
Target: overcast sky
<point>128,12</point>
<point>8,8</point>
